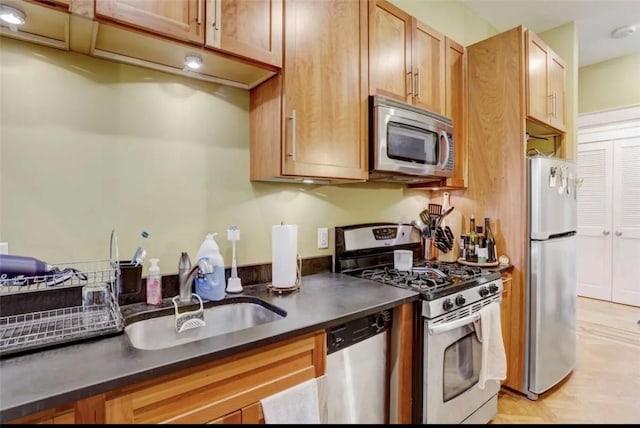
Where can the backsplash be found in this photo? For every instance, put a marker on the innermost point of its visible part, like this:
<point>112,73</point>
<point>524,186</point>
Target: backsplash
<point>72,296</point>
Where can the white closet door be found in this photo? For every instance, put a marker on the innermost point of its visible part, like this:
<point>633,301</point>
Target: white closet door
<point>626,221</point>
<point>593,255</point>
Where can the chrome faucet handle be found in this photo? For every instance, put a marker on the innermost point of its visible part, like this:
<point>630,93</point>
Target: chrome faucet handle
<point>205,266</point>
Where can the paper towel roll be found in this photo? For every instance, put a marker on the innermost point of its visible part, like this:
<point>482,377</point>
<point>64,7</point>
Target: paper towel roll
<point>284,255</point>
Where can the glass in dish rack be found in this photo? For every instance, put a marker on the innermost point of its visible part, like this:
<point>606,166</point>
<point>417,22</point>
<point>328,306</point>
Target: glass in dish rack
<point>80,305</point>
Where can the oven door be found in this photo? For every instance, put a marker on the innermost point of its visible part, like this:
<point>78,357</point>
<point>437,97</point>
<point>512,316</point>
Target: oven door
<point>410,143</point>
<point>452,359</point>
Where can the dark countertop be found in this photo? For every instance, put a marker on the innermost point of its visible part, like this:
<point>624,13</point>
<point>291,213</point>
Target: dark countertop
<point>502,268</point>
<point>41,380</point>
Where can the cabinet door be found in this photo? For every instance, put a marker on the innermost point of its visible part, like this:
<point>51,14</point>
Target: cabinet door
<point>505,319</point>
<point>455,96</point>
<point>231,418</point>
<point>252,414</point>
<point>428,52</point>
<point>248,28</point>
<point>556,86</point>
<point>390,51</point>
<point>325,89</point>
<point>539,98</point>
<point>626,221</point>
<point>593,253</point>
<point>178,19</point>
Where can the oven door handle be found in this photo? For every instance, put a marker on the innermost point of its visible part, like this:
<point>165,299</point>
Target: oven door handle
<point>443,328</point>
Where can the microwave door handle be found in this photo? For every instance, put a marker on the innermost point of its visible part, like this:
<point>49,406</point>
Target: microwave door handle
<point>446,139</point>
<point>443,328</point>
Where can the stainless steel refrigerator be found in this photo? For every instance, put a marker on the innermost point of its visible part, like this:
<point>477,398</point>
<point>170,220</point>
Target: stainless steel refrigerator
<point>551,273</point>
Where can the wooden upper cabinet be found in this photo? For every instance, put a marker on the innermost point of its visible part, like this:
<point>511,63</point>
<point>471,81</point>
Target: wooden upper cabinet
<point>557,79</point>
<point>178,19</point>
<point>455,108</point>
<point>428,59</point>
<point>247,28</point>
<point>406,57</point>
<point>319,101</point>
<point>390,37</point>
<point>455,102</point>
<point>545,83</point>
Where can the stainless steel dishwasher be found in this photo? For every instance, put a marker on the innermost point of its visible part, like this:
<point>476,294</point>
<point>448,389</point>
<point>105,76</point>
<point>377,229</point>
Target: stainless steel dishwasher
<point>357,372</point>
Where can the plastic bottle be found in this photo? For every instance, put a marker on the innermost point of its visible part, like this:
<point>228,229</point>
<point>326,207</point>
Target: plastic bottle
<point>12,266</point>
<point>211,286</point>
<point>154,284</point>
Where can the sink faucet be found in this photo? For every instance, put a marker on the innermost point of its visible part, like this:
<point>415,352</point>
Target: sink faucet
<point>186,273</point>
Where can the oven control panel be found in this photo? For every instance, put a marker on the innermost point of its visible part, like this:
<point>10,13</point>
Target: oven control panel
<point>434,308</point>
<point>357,330</point>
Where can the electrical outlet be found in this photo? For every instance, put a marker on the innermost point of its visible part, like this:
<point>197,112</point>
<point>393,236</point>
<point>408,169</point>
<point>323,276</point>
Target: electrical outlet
<point>323,237</point>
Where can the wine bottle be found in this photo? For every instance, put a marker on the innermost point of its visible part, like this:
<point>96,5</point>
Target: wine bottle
<point>482,250</point>
<point>491,242</point>
<point>472,240</point>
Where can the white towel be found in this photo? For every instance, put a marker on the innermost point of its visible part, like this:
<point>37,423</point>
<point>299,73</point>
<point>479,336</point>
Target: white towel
<point>489,331</point>
<point>296,405</point>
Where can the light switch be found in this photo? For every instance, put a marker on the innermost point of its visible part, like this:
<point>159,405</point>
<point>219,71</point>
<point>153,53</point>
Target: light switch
<point>323,237</point>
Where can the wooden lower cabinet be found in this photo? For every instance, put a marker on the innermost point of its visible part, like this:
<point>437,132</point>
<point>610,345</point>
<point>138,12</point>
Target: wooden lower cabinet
<point>215,392</point>
<point>225,391</point>
<point>505,318</point>
<point>61,415</point>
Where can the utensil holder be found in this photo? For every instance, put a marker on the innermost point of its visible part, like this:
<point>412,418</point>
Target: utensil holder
<point>429,250</point>
<point>130,280</point>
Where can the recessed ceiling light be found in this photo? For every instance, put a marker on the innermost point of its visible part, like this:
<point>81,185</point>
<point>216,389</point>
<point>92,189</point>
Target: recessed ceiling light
<point>625,31</point>
<point>11,15</point>
<point>193,62</point>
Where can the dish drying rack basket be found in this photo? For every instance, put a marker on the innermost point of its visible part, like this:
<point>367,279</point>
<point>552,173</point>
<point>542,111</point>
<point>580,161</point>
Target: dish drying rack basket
<point>40,329</point>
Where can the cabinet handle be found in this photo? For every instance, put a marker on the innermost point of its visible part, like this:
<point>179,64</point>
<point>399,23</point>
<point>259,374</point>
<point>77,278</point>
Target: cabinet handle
<point>555,104</point>
<point>417,82</point>
<point>618,233</point>
<point>292,118</point>
<point>605,232</point>
<point>199,16</point>
<point>214,24</point>
<point>409,83</point>
<point>551,105</point>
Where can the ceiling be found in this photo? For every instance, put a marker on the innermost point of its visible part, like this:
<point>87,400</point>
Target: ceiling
<point>595,20</point>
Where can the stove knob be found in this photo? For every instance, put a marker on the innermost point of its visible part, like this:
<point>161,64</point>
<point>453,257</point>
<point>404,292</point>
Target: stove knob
<point>447,305</point>
<point>493,288</point>
<point>484,292</point>
<point>460,300</point>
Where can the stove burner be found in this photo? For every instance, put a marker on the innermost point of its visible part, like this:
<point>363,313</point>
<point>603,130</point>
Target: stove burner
<point>431,278</point>
<point>419,279</point>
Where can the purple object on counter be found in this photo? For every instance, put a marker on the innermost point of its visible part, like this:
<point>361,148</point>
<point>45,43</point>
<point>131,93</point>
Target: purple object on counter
<point>19,270</point>
<point>13,266</point>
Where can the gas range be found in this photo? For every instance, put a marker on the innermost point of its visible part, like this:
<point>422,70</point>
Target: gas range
<point>366,251</point>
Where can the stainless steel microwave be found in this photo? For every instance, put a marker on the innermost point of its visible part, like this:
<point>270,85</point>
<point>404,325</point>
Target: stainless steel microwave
<point>407,143</point>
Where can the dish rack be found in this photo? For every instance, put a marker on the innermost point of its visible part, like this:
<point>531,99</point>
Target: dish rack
<point>32,330</point>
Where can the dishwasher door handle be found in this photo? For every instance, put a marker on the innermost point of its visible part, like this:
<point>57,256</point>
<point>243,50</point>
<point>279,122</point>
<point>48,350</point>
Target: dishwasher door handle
<point>443,328</point>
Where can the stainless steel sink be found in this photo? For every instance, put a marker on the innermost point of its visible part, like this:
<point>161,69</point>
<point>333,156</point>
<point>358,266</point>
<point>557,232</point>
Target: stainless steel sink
<point>223,317</point>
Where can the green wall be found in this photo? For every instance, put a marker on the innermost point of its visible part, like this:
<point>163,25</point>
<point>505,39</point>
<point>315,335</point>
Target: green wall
<point>451,18</point>
<point>88,145</point>
<point>609,84</point>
